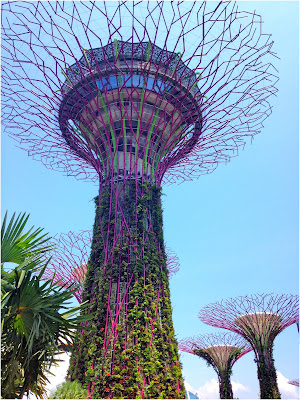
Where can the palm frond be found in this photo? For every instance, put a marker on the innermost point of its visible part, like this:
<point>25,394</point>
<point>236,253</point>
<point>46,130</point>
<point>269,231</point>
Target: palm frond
<point>17,245</point>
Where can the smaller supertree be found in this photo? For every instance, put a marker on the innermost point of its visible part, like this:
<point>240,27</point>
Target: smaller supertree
<point>173,263</point>
<point>69,259</point>
<point>294,382</point>
<point>259,319</point>
<point>221,351</point>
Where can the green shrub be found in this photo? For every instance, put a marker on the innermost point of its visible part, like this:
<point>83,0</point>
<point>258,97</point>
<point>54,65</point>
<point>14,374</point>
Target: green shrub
<point>69,390</point>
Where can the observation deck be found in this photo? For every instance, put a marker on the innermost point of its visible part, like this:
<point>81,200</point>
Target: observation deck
<point>131,111</point>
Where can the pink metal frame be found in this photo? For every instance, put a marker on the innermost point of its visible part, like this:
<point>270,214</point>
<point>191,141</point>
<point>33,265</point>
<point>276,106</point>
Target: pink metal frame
<point>69,257</point>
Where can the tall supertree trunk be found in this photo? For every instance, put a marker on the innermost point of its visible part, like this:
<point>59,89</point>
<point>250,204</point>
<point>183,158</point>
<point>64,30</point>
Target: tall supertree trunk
<point>225,387</point>
<point>266,374</point>
<point>132,351</point>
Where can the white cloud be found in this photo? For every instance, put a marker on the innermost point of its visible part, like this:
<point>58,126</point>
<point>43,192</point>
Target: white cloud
<point>238,387</point>
<point>286,389</point>
<point>189,387</point>
<point>210,389</point>
<point>59,372</point>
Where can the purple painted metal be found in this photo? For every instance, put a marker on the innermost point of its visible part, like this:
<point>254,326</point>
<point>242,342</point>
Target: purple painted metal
<point>69,257</point>
<point>219,341</point>
<point>220,63</point>
<point>173,263</point>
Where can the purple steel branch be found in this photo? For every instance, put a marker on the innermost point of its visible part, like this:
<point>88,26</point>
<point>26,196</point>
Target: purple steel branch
<point>173,263</point>
<point>220,58</point>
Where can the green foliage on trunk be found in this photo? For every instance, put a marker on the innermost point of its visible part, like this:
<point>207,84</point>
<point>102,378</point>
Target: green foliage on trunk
<point>224,374</point>
<point>137,357</point>
<point>266,374</point>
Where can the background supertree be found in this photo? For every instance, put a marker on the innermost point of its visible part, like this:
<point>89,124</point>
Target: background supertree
<point>259,319</point>
<point>69,260</point>
<point>294,382</point>
<point>221,351</point>
<point>163,92</point>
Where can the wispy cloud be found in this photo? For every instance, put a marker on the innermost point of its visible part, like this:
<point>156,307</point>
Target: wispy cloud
<point>238,387</point>
<point>286,389</point>
<point>210,389</point>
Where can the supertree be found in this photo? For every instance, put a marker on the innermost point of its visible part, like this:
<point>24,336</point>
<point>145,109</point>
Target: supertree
<point>173,263</point>
<point>294,382</point>
<point>221,351</point>
<point>69,260</point>
<point>259,319</point>
<point>132,94</point>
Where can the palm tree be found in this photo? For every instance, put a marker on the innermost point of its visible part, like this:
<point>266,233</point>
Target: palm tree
<point>35,313</point>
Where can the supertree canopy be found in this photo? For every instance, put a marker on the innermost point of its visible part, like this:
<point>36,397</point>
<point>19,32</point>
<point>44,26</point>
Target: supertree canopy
<point>259,319</point>
<point>221,351</point>
<point>294,382</point>
<point>69,260</point>
<point>132,94</point>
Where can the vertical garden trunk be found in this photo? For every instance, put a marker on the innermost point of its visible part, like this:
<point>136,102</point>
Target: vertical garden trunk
<point>225,387</point>
<point>266,373</point>
<point>132,351</point>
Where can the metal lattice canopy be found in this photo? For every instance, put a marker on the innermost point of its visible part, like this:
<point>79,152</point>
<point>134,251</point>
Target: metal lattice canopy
<point>219,346</point>
<point>160,91</point>
<point>262,316</point>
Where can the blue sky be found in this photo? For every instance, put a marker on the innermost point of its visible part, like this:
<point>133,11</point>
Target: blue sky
<point>235,230</point>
